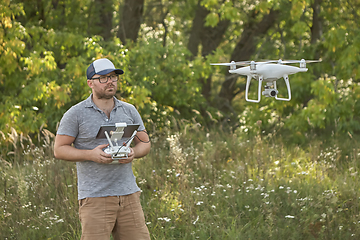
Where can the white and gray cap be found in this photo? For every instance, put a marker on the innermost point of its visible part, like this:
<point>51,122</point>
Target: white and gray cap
<point>101,66</point>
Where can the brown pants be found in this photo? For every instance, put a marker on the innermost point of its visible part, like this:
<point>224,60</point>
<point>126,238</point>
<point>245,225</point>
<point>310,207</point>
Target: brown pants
<point>121,216</point>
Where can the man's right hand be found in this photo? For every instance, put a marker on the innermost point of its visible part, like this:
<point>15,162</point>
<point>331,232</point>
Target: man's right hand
<point>65,151</point>
<point>99,156</point>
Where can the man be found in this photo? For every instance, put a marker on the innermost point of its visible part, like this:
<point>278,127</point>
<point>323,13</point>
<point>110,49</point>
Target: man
<point>109,198</point>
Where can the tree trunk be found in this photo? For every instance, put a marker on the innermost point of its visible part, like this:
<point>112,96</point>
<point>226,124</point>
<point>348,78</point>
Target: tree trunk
<point>316,33</point>
<point>197,26</point>
<point>316,28</point>
<point>100,19</point>
<point>106,18</point>
<point>244,49</point>
<point>130,20</point>
<point>209,37</point>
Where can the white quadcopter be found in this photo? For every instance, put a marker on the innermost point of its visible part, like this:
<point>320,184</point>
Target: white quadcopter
<point>268,71</point>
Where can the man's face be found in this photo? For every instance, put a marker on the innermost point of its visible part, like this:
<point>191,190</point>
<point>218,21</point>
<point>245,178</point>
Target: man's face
<point>105,89</point>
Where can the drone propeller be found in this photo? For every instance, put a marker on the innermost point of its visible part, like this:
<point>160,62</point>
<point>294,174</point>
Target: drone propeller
<point>298,61</point>
<point>292,61</point>
<point>253,64</point>
<point>232,63</point>
<point>242,63</point>
<point>223,64</point>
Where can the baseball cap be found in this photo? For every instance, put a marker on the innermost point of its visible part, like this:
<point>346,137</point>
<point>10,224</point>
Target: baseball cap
<point>101,66</point>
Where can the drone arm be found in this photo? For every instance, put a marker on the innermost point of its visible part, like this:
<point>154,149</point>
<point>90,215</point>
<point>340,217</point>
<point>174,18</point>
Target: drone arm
<point>286,78</point>
<point>248,86</point>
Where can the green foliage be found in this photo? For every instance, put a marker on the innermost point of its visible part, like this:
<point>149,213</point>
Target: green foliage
<point>325,98</point>
<point>160,75</point>
<point>334,107</point>
<point>198,184</point>
<point>46,46</point>
<point>51,72</point>
<point>243,185</point>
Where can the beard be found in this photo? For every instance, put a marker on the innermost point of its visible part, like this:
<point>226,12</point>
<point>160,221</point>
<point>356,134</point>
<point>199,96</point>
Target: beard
<point>104,94</point>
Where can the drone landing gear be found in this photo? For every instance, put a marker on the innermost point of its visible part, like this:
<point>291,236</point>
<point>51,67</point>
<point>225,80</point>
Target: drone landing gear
<point>270,89</point>
<point>286,78</point>
<point>248,86</point>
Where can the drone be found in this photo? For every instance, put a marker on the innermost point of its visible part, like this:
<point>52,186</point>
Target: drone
<point>269,72</point>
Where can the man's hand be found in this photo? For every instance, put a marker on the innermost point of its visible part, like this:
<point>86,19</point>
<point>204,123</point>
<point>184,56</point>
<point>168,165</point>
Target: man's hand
<point>99,156</point>
<point>130,157</point>
<point>65,151</point>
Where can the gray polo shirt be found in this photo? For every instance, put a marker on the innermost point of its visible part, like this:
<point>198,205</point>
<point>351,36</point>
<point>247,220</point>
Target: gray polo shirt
<point>83,121</point>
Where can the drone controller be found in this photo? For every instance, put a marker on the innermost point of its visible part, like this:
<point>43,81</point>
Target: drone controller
<point>118,151</point>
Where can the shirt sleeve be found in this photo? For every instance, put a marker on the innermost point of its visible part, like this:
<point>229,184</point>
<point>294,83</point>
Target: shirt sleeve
<point>69,124</point>
<point>137,118</point>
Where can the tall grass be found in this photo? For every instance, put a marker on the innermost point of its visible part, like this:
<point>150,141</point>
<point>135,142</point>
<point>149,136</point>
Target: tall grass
<point>199,185</point>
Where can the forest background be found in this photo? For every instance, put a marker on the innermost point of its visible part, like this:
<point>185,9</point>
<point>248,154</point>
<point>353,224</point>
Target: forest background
<point>165,49</point>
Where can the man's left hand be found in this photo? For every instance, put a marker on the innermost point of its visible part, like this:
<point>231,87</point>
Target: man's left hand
<point>130,157</point>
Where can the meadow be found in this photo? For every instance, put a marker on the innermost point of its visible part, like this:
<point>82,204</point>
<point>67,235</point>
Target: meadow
<point>198,185</point>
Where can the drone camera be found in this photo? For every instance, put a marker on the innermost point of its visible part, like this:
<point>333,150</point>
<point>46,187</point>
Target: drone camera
<point>270,92</point>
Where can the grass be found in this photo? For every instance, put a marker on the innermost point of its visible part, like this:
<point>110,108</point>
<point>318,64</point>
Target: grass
<point>198,185</point>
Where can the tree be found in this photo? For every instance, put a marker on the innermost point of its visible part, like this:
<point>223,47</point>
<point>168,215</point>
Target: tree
<point>165,48</point>
<point>246,48</point>
<point>209,37</point>
<point>101,19</point>
<point>130,20</point>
